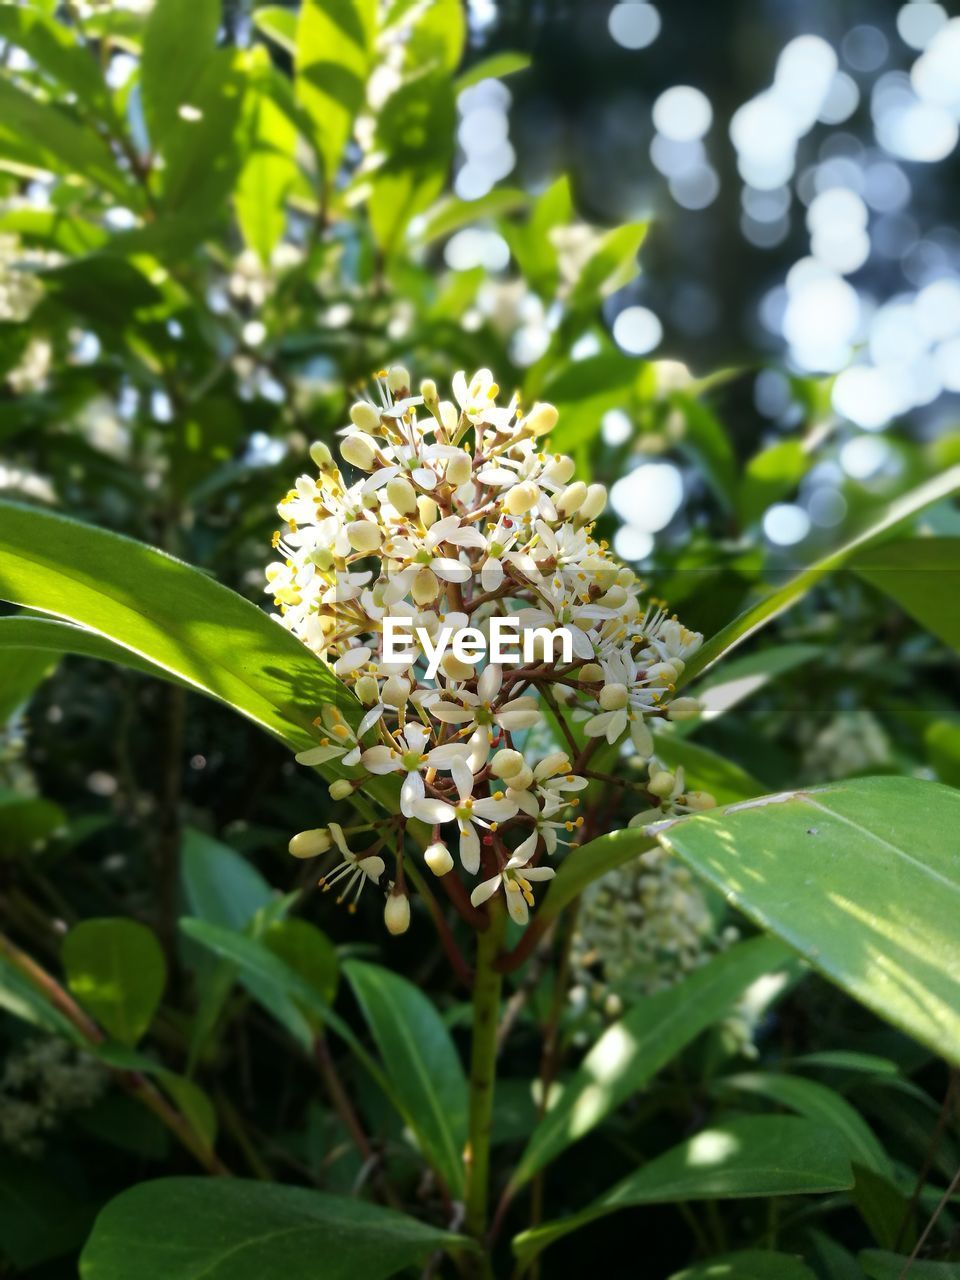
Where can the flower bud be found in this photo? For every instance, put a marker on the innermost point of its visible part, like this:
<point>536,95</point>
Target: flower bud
<point>428,389</point>
<point>398,380</point>
<point>308,844</point>
<point>401,494</point>
<point>425,587</point>
<point>613,697</point>
<point>541,419</point>
<point>396,691</point>
<point>594,502</point>
<point>591,673</point>
<point>340,789</point>
<point>700,800</point>
<point>367,690</point>
<point>661,784</point>
<point>364,415</point>
<point>449,415</point>
<point>363,536</point>
<point>459,470</point>
<point>560,469</point>
<point>613,1005</point>
<point>438,859</point>
<point>683,709</point>
<point>521,780</point>
<point>320,455</point>
<point>427,509</point>
<point>571,499</point>
<point>455,669</point>
<point>506,763</point>
<point>396,913</point>
<point>359,450</point>
<point>555,762</point>
<point>521,498</point>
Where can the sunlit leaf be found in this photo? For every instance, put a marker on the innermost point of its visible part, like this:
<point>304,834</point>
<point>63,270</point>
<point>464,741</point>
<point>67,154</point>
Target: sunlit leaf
<point>172,68</point>
<point>269,169</point>
<point>495,67</point>
<point>116,969</point>
<point>770,475</point>
<point>278,24</point>
<point>611,265</point>
<point>871,864</point>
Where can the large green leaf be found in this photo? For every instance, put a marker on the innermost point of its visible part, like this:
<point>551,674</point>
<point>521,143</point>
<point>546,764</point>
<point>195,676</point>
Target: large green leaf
<point>923,576</point>
<point>115,968</point>
<point>633,1049</point>
<point>705,770</point>
<point>21,670</point>
<point>228,1229</point>
<point>756,1156</point>
<point>171,66</point>
<point>749,1265</point>
<point>53,46</point>
<point>819,1103</point>
<point>218,884</point>
<point>741,678</point>
<point>880,1265</point>
<point>424,1066</point>
<point>334,53</point>
<point>862,878</point>
<point>167,614</point>
<point>774,601</point>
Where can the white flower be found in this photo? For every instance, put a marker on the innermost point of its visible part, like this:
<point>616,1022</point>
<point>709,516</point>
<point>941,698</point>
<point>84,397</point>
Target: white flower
<point>469,814</point>
<point>353,870</point>
<point>515,880</point>
<point>410,757</point>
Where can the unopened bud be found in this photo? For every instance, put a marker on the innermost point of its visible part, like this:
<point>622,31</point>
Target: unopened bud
<point>367,690</point>
<point>363,536</point>
<point>402,495</point>
<point>455,669</point>
<point>320,455</point>
<point>340,789</point>
<point>396,913</point>
<point>308,844</point>
<point>459,469</point>
<point>613,697</point>
<point>594,502</point>
<point>359,450</point>
<point>426,587</point>
<point>521,498</point>
<point>683,709</point>
<point>396,691</point>
<point>571,499</point>
<point>661,784</point>
<point>555,762</point>
<point>541,419</point>
<point>591,673</point>
<point>700,800</point>
<point>427,510</point>
<point>521,780</point>
<point>364,415</point>
<point>398,380</point>
<point>438,859</point>
<point>560,469</point>
<point>506,763</point>
<point>428,389</point>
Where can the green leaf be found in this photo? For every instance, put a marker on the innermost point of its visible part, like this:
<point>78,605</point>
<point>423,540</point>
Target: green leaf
<point>749,1265</point>
<point>218,884</point>
<point>861,878</point>
<point>451,213</point>
<point>495,67</point>
<point>741,678</point>
<point>53,46</point>
<point>819,1103</point>
<point>26,822</point>
<point>116,970</point>
<point>21,671</point>
<point>771,475</point>
<point>531,243</point>
<point>205,147</point>
<point>777,599</point>
<point>169,615</point>
<point>611,265</point>
<point>279,25</point>
<point>634,1049</point>
<point>308,951</point>
<point>705,770</point>
<point>44,641</point>
<point>208,1228</point>
<point>193,1102</point>
<point>707,439</point>
<point>923,576</point>
<point>335,40</point>
<point>437,37</point>
<point>942,740</point>
<point>880,1265</point>
<point>757,1156</point>
<point>21,998</point>
<point>269,171</point>
<point>172,67</point>
<point>424,1066</point>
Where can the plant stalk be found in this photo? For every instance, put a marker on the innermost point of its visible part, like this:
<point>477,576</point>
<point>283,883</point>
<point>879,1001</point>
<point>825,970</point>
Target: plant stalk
<point>483,1069</point>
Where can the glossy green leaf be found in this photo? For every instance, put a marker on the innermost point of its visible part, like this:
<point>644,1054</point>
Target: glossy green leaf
<point>205,145</point>
<point>437,37</point>
<point>741,678</point>
<point>635,1048</point>
<point>218,884</point>
<point>333,60</point>
<point>116,970</point>
<point>269,170</point>
<point>757,1156</point>
<point>779,598</point>
<point>278,24</point>
<point>423,1063</point>
<point>923,576</point>
<point>53,46</point>
<point>169,615</point>
<point>880,1265</point>
<point>23,999</point>
<point>819,1103</point>
<point>214,1228</point>
<point>172,67</point>
<point>308,951</point>
<point>749,1265</point>
<point>451,213</point>
<point>495,67</point>
<point>22,669</point>
<point>861,878</point>
<point>46,640</point>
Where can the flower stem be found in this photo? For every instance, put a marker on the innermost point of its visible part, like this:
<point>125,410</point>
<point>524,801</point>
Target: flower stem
<point>483,1069</point>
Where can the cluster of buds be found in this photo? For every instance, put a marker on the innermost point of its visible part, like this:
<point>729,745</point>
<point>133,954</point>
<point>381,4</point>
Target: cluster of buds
<point>450,515</point>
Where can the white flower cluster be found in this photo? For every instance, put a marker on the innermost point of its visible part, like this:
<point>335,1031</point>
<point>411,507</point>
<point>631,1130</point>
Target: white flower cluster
<point>453,514</point>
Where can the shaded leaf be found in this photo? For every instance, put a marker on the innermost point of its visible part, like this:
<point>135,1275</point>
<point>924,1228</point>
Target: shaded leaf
<point>749,1265</point>
<point>116,970</point>
<point>923,576</point>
